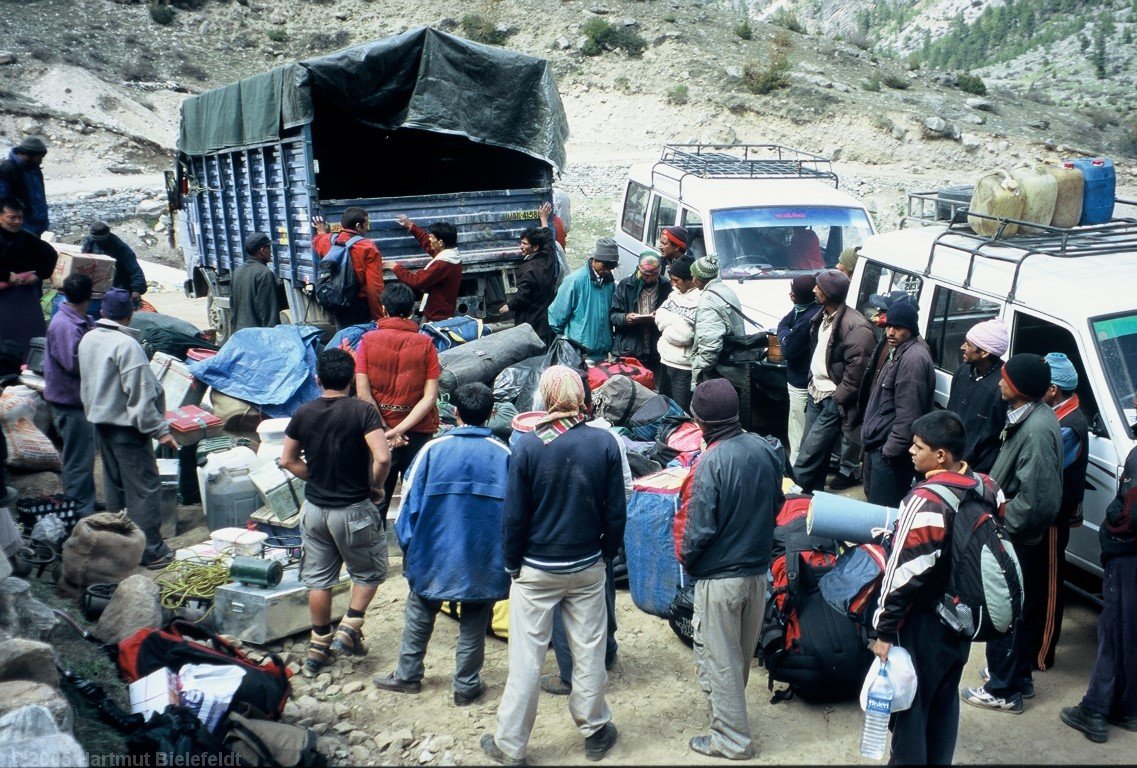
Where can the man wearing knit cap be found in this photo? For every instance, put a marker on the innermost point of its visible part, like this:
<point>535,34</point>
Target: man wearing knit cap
<point>252,295</point>
<point>793,338</point>
<point>672,244</point>
<point>634,302</point>
<point>128,274</point>
<point>1029,472</point>
<point>580,309</point>
<point>723,536</point>
<point>975,396</point>
<point>21,177</point>
<point>848,260</point>
<point>840,343</point>
<point>717,314</point>
<point>1062,397</point>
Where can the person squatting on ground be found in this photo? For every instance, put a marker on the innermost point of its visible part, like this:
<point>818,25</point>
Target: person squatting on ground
<point>397,370</point>
<point>723,536</point>
<point>1029,472</point>
<point>252,293</point>
<point>449,528</point>
<point>336,444</point>
<point>901,393</point>
<point>580,310</point>
<point>558,529</point>
<point>915,579</point>
<point>1111,698</point>
<point>975,395</point>
<point>634,302</point>
<point>675,320</point>
<point>365,259</point>
<point>123,399</point>
<point>793,339</point>
<point>439,280</point>
<point>841,341</point>
<point>62,391</point>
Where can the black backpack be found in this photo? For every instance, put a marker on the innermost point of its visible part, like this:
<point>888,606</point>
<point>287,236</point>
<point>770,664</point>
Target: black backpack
<point>336,282</point>
<point>984,598</point>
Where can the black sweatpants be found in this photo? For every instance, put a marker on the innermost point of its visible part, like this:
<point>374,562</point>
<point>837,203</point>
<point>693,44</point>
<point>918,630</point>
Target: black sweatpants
<point>1044,640</point>
<point>1009,657</point>
<point>925,733</point>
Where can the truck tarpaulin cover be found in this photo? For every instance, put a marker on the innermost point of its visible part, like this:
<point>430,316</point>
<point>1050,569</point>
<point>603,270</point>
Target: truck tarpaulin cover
<point>422,79</point>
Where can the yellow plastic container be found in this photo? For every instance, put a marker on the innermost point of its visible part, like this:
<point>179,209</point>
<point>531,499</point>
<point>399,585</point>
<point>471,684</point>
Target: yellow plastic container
<point>996,194</point>
<point>1071,189</point>
<point>1041,191</point>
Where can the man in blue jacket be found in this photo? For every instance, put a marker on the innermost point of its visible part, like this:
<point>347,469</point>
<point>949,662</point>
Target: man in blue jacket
<point>580,310</point>
<point>449,528</point>
<point>793,337</point>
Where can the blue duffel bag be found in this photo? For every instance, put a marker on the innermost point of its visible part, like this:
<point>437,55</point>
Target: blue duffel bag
<point>654,574</point>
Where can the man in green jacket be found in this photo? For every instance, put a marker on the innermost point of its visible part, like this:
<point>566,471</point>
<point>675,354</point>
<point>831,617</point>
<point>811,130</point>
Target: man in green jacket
<point>1029,472</point>
<point>580,310</point>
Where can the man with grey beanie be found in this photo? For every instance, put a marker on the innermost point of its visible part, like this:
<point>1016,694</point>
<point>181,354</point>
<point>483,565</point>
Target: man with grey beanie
<point>717,314</point>
<point>253,298</point>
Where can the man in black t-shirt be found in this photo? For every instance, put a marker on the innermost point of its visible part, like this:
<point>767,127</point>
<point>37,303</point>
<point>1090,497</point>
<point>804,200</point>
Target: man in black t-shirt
<point>345,461</point>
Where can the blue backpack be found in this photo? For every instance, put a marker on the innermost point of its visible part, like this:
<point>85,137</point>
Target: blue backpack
<point>449,333</point>
<point>336,282</point>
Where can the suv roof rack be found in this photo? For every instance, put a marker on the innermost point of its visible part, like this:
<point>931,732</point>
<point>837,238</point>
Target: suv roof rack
<point>1116,236</point>
<point>741,161</point>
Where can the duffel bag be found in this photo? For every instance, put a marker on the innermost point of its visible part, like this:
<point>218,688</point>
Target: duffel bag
<point>650,417</point>
<point>618,398</point>
<point>621,366</point>
<point>483,359</point>
<point>449,333</point>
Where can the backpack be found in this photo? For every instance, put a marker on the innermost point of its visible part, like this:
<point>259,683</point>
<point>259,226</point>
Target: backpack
<point>984,598</point>
<point>853,584</point>
<point>266,744</point>
<point>649,418</point>
<point>175,737</point>
<point>446,334</point>
<point>336,282</point>
<point>818,651</point>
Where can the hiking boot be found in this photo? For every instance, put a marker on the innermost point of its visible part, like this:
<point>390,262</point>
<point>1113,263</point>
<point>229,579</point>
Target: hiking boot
<point>1027,691</point>
<point>161,562</point>
<point>841,482</point>
<point>397,684</point>
<point>466,699</point>
<point>705,746</point>
<point>978,697</point>
<point>555,685</point>
<point>349,637</point>
<point>319,654</point>
<point>598,744</point>
<point>1090,723</point>
<point>1124,722</point>
<point>493,752</point>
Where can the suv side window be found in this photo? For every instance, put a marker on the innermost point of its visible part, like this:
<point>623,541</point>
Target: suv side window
<point>1033,334</point>
<point>663,214</point>
<point>953,314</point>
<point>696,246</point>
<point>882,280</point>
<point>635,208</point>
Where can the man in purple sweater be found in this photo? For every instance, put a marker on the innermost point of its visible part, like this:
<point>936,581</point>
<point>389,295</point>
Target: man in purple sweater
<point>61,391</point>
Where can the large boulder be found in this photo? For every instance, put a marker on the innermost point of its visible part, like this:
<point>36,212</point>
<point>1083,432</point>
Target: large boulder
<point>15,694</point>
<point>135,605</point>
<point>29,736</point>
<point>22,659</point>
<point>22,615</point>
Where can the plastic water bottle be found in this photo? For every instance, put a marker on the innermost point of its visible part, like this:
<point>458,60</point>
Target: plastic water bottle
<point>874,737</point>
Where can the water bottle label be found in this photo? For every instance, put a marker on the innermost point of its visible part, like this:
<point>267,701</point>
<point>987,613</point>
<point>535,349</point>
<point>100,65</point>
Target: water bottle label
<point>878,706</point>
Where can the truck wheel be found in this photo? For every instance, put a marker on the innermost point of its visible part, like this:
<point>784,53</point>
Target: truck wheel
<point>218,320</point>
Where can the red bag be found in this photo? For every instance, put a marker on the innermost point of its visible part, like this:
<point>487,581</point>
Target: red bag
<point>624,366</point>
<point>263,691</point>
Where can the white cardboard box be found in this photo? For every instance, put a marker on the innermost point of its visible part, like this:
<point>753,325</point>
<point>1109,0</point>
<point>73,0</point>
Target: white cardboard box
<point>97,267</point>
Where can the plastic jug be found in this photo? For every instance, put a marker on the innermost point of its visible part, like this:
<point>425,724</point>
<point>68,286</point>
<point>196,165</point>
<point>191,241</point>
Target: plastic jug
<point>271,434</point>
<point>997,195</point>
<point>228,495</point>
<point>1071,189</point>
<point>1097,200</point>
<point>1041,192</point>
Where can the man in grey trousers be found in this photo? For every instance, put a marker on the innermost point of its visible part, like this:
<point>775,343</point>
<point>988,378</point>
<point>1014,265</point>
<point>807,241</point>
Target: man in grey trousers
<point>724,534</point>
<point>123,399</point>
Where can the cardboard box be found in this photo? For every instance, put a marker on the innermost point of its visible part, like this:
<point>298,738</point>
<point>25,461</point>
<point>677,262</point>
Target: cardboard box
<point>97,267</point>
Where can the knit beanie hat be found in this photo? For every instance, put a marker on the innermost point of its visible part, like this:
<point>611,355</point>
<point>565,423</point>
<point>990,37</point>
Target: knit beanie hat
<point>1028,375</point>
<point>706,268</point>
<point>990,336</point>
<point>117,304</point>
<point>100,230</point>
<point>1062,372</point>
<point>848,258</point>
<point>677,236</point>
<point>834,284</point>
<point>715,402</point>
<point>681,268</point>
<point>649,263</point>
<point>802,288</point>
<point>903,314</point>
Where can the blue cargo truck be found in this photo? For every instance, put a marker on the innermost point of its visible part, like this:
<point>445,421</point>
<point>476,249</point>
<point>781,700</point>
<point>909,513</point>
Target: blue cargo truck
<point>424,123</point>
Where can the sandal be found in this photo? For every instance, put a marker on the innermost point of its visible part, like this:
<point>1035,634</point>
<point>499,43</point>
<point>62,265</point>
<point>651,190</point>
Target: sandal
<point>319,654</point>
<point>349,637</point>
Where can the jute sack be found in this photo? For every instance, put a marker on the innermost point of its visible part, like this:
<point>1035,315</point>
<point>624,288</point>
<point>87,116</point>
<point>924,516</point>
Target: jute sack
<point>104,548</point>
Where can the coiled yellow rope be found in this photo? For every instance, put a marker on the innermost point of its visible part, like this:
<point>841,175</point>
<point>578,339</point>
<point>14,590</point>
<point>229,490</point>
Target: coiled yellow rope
<point>185,580</point>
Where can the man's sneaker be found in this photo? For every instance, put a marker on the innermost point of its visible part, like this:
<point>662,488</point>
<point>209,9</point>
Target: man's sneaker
<point>493,752</point>
<point>841,482</point>
<point>397,684</point>
<point>978,697</point>
<point>349,637</point>
<point>319,654</point>
<point>466,699</point>
<point>705,746</point>
<point>1027,691</point>
<point>1125,722</point>
<point>598,744</point>
<point>1090,723</point>
<point>555,685</point>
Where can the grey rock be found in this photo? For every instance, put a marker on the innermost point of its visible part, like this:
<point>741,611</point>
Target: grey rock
<point>1042,125</point>
<point>341,16</point>
<point>135,605</point>
<point>975,119</point>
<point>124,168</point>
<point>15,694</point>
<point>898,132</point>
<point>402,738</point>
<point>343,728</point>
<point>600,10</point>
<point>153,207</point>
<point>938,128</point>
<point>972,144</point>
<point>28,736</point>
<point>983,105</point>
<point>734,71</point>
<point>562,44</point>
<point>629,22</point>
<point>7,57</point>
<point>833,153</point>
<point>22,659</point>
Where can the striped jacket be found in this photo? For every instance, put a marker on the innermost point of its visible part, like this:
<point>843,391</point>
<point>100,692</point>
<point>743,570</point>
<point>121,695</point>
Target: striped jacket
<point>917,572</point>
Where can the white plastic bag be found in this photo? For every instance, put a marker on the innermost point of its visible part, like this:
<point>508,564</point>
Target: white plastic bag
<point>901,676</point>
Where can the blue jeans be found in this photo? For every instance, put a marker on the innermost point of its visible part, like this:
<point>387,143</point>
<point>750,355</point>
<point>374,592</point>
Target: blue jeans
<point>560,637</point>
<point>469,654</point>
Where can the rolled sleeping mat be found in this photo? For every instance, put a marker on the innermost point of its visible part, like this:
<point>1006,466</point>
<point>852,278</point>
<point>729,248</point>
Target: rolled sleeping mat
<point>839,517</point>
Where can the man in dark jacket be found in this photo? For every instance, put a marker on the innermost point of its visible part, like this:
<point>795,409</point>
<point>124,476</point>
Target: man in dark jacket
<point>840,343</point>
<point>558,529</point>
<point>128,274</point>
<point>21,177</point>
<point>1062,397</point>
<point>25,262</point>
<point>252,295</point>
<point>975,394</point>
<point>634,302</point>
<point>536,282</point>
<point>793,338</point>
<point>1029,470</point>
<point>901,393</point>
<point>723,536</point>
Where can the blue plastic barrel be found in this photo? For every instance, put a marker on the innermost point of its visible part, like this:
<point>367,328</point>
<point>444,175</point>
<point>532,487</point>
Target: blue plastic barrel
<point>1101,181</point>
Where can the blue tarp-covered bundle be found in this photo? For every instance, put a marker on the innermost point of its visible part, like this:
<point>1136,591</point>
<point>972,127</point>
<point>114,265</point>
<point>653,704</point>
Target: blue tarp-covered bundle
<point>654,574</point>
<point>348,338</point>
<point>272,368</point>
